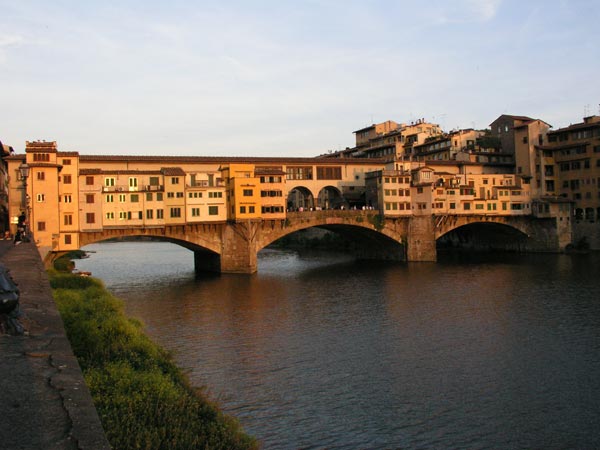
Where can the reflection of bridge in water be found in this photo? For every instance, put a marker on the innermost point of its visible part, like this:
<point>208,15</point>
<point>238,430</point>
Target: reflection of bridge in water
<point>232,247</point>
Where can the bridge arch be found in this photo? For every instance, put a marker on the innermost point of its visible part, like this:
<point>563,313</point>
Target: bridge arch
<point>486,234</point>
<point>369,239</point>
<point>330,197</point>
<point>193,237</point>
<point>300,197</point>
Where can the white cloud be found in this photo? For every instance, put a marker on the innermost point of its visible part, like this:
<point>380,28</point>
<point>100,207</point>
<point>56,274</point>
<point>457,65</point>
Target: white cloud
<point>465,11</point>
<point>6,42</point>
<point>483,10</point>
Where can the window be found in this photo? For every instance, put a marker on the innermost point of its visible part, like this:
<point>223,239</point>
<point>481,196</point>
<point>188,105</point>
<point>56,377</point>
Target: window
<point>175,180</point>
<point>89,181</point>
<point>213,210</point>
<point>41,198</point>
<point>110,215</point>
<point>170,194</point>
<point>122,198</point>
<point>149,214</point>
<point>154,181</point>
<point>67,198</point>
<point>148,196</point>
<point>109,182</point>
<point>179,194</point>
<point>242,210</point>
<point>175,212</point>
<point>247,192</point>
<point>66,162</point>
<point>215,194</point>
<point>195,212</point>
<point>68,219</point>
<point>41,176</point>
<point>159,214</point>
<point>122,215</point>
<point>133,183</point>
<point>89,198</point>
<point>45,157</point>
<point>90,218</point>
<point>67,179</point>
<point>67,239</point>
<point>159,196</point>
<point>251,209</point>
<point>135,198</point>
<point>299,173</point>
<point>41,226</point>
<point>467,206</point>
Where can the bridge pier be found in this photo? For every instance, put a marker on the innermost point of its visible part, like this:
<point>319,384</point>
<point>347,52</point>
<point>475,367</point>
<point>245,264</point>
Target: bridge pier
<point>420,246</point>
<point>239,254</point>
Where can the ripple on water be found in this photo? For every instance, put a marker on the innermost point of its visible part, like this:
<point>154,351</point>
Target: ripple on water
<point>319,351</point>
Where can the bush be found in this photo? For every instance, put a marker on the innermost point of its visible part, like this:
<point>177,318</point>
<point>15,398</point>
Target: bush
<point>143,399</point>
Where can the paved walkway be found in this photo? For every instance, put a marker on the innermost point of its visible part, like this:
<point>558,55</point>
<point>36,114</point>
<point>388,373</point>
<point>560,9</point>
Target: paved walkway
<point>44,402</point>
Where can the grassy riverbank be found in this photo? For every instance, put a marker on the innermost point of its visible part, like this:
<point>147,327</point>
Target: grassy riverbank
<point>143,399</point>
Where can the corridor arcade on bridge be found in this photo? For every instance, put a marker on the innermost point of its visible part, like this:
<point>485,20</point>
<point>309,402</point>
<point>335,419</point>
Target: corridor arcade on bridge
<point>230,208</point>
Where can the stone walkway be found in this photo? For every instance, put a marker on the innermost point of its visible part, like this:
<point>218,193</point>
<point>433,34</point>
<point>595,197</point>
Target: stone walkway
<point>44,402</point>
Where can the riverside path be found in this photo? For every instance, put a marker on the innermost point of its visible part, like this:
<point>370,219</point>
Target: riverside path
<point>44,402</point>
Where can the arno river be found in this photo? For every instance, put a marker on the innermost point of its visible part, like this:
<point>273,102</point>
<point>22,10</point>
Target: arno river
<point>319,351</point>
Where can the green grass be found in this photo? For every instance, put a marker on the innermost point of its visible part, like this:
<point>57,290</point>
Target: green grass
<point>143,399</point>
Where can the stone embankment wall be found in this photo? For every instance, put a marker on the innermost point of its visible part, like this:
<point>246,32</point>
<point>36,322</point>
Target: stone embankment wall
<point>45,403</point>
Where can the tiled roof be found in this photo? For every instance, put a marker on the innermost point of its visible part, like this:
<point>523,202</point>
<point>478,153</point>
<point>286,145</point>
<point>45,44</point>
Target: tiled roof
<point>226,159</point>
<point>268,171</point>
<point>172,171</point>
<point>118,172</point>
<point>577,126</point>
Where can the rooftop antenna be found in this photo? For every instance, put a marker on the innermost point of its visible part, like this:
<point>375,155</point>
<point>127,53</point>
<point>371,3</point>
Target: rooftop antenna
<point>586,110</point>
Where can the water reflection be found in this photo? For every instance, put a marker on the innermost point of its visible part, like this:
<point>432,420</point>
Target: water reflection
<point>319,351</point>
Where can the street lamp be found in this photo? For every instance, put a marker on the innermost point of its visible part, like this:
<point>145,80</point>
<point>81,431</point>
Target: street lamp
<point>24,172</point>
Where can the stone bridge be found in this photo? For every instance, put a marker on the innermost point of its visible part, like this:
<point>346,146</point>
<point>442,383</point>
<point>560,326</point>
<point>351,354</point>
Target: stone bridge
<point>232,247</point>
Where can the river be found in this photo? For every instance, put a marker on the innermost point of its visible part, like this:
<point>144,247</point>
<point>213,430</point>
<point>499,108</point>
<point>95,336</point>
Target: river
<point>320,351</point>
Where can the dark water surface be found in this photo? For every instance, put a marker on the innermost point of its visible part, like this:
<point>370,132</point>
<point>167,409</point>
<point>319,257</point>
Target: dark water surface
<point>320,351</point>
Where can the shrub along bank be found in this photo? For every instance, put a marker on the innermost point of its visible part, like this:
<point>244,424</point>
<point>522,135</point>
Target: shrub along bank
<point>143,399</point>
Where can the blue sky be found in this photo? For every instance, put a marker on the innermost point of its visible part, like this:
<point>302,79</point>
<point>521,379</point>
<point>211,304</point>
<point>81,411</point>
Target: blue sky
<point>284,78</point>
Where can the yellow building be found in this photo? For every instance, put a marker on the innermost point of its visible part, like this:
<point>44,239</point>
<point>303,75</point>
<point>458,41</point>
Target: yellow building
<point>243,191</point>
<point>272,191</point>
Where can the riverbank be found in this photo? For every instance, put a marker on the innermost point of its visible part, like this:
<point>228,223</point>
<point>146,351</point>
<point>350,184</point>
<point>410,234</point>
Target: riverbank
<point>142,398</point>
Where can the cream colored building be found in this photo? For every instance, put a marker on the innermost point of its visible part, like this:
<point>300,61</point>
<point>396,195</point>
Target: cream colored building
<point>460,188</point>
<point>389,140</point>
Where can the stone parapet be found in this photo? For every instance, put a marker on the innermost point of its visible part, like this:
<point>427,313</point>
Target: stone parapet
<point>45,401</point>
